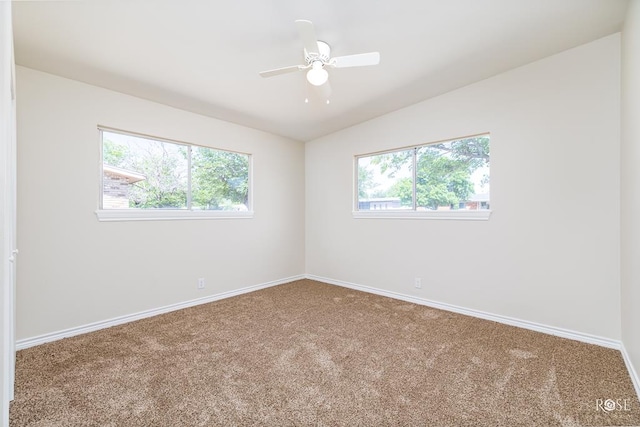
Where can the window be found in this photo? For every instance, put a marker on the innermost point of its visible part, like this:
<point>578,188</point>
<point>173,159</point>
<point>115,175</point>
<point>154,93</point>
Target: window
<point>151,178</point>
<point>447,179</point>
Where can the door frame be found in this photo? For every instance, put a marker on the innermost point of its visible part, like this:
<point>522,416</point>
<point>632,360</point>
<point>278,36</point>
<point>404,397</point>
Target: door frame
<point>8,163</point>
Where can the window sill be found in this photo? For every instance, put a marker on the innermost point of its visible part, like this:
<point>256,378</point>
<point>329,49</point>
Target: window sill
<point>455,215</point>
<point>167,215</point>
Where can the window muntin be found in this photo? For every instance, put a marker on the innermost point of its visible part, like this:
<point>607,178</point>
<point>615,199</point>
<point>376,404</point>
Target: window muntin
<point>144,173</point>
<point>441,176</point>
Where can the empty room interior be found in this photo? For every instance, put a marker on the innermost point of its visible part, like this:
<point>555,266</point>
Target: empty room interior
<point>329,213</point>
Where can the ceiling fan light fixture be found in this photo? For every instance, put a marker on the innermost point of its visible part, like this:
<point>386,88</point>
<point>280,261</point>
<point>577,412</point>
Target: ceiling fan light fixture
<point>317,75</point>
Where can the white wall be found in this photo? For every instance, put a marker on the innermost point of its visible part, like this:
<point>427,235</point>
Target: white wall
<point>75,270</point>
<point>630,188</point>
<point>550,252</point>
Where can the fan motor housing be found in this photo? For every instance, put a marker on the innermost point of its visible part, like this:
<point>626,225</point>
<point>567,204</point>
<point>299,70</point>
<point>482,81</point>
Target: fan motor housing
<point>324,53</point>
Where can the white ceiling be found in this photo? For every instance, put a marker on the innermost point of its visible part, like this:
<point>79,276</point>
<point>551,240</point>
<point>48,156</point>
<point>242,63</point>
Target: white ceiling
<point>204,55</point>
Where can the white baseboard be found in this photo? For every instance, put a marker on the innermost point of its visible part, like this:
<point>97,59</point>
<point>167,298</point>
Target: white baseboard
<point>53,336</point>
<point>632,372</point>
<point>551,330</point>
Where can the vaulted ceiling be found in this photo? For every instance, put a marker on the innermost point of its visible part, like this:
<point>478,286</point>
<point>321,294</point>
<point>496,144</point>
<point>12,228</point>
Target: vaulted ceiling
<point>204,56</point>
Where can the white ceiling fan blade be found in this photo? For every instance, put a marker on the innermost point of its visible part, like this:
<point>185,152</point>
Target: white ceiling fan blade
<point>283,70</point>
<point>359,60</point>
<point>308,35</point>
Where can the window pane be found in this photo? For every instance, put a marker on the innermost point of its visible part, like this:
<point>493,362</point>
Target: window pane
<point>220,180</point>
<point>385,181</point>
<point>143,173</point>
<point>453,175</point>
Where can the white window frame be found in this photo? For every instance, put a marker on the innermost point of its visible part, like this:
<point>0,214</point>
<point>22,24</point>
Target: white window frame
<point>457,214</point>
<point>167,214</point>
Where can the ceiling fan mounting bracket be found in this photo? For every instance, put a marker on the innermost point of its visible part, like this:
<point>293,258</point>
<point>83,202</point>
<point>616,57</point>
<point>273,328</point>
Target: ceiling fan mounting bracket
<point>323,54</point>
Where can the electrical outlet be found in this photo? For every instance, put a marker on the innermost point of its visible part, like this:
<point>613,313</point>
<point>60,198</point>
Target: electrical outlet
<point>201,283</point>
<point>417,282</point>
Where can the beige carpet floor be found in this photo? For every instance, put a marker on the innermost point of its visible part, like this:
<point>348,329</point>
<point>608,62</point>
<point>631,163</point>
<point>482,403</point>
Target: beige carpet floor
<point>312,354</point>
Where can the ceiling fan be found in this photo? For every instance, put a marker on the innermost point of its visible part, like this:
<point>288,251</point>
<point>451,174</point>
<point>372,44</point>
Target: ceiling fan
<point>317,55</point>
